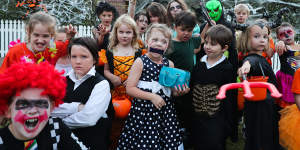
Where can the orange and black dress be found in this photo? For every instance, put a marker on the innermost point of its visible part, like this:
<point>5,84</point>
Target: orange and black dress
<point>289,124</point>
<point>119,66</point>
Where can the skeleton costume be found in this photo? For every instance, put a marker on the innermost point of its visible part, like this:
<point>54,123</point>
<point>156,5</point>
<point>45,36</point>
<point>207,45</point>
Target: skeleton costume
<point>212,118</point>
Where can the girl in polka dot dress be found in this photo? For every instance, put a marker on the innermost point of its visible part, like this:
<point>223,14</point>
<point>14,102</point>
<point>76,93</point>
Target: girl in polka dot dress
<point>152,122</point>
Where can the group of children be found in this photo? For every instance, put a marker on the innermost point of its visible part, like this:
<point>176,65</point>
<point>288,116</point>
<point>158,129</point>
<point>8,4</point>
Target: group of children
<point>129,52</point>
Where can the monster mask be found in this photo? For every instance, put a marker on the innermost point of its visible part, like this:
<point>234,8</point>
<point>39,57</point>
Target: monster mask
<point>214,9</point>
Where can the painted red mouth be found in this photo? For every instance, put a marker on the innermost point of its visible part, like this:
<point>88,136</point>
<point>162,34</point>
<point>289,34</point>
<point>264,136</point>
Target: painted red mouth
<point>31,124</point>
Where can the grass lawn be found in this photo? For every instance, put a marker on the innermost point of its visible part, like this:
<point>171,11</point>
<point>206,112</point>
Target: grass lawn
<point>239,145</point>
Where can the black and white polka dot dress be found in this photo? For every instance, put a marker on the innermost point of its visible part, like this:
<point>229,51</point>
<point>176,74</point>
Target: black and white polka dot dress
<point>147,127</point>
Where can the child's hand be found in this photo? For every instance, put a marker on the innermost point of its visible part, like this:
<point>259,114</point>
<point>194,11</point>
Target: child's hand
<point>125,82</point>
<point>213,22</point>
<point>280,47</point>
<point>80,107</point>
<point>102,30</point>
<point>244,69</point>
<point>157,101</point>
<point>181,90</point>
<point>116,81</point>
<point>71,31</point>
<point>196,35</point>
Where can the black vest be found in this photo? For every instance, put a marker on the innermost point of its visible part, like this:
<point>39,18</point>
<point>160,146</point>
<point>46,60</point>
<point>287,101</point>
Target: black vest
<point>96,136</point>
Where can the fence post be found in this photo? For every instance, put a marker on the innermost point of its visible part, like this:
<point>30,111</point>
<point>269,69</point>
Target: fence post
<point>2,51</point>
<point>89,31</point>
<point>14,30</point>
<point>5,36</point>
<point>10,31</point>
<point>23,32</point>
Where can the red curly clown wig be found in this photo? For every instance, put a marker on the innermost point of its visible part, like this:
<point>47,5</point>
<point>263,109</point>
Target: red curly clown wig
<point>28,75</point>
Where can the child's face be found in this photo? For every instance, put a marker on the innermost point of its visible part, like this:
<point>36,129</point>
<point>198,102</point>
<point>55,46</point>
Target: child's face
<point>175,8</point>
<point>258,38</point>
<point>106,18</point>
<point>157,40</point>
<point>153,19</point>
<point>61,37</point>
<point>81,60</point>
<point>40,37</point>
<point>124,35</point>
<point>213,49</point>
<point>241,17</point>
<point>183,34</point>
<point>286,34</point>
<point>142,23</point>
<point>29,113</point>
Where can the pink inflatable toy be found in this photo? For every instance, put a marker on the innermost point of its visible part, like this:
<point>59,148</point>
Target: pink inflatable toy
<point>246,87</point>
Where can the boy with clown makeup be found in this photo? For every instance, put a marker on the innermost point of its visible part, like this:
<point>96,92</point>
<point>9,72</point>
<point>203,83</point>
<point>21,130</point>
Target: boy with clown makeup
<point>28,94</point>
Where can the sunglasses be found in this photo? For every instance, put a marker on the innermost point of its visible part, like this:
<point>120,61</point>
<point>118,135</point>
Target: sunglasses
<point>177,7</point>
<point>25,104</point>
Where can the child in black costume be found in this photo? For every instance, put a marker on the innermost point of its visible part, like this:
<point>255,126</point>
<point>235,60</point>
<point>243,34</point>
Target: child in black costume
<point>212,118</point>
<point>261,118</point>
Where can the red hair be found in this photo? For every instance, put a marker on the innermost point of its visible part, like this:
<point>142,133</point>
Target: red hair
<point>28,75</point>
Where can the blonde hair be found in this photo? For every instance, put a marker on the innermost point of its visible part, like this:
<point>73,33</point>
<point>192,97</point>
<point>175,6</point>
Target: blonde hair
<point>242,7</point>
<point>43,18</point>
<point>243,44</point>
<point>164,29</point>
<point>128,21</point>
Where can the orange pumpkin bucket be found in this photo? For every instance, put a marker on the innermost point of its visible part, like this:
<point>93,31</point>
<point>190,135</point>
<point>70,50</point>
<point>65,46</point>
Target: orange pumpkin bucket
<point>121,107</point>
<point>259,93</point>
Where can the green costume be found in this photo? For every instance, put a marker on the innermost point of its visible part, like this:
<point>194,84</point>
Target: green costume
<point>183,53</point>
<point>214,8</point>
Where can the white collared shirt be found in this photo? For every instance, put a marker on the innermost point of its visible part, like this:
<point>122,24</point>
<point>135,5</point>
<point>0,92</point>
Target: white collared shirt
<point>204,59</point>
<point>94,109</point>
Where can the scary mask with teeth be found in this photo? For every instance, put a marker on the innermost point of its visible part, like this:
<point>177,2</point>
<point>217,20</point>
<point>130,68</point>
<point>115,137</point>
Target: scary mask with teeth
<point>214,8</point>
<point>29,113</point>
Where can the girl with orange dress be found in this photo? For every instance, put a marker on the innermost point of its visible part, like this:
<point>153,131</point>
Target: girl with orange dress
<point>123,49</point>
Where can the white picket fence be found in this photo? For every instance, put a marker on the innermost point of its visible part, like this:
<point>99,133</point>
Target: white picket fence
<point>11,30</point>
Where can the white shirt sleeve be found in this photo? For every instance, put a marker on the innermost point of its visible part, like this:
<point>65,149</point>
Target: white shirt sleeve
<point>65,109</point>
<point>94,109</point>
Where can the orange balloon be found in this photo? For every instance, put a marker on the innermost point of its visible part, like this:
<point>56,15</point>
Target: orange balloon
<point>122,107</point>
